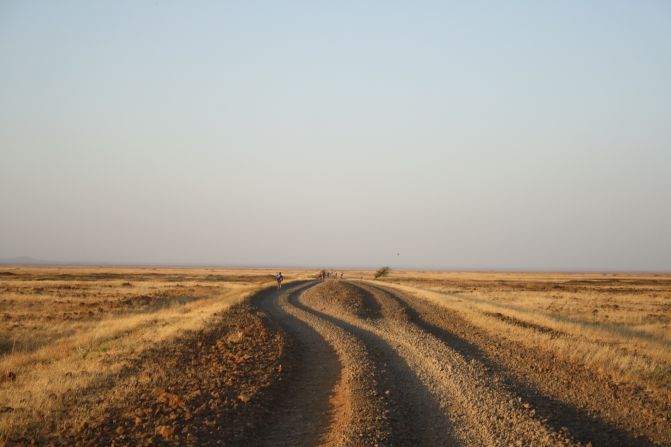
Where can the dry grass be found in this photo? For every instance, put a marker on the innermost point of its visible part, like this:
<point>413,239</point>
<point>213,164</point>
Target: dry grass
<point>73,331</point>
<point>77,331</point>
<point>615,323</point>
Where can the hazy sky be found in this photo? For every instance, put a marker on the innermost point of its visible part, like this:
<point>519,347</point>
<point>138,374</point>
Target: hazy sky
<point>512,135</point>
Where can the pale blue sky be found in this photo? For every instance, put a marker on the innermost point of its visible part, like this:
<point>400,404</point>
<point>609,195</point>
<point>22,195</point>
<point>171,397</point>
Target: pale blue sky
<point>510,135</point>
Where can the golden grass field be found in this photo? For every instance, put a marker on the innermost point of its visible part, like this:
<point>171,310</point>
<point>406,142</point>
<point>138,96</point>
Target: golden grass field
<point>72,333</point>
<point>617,323</point>
<point>69,330</point>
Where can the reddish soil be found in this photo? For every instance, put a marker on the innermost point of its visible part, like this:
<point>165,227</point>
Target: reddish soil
<point>216,387</point>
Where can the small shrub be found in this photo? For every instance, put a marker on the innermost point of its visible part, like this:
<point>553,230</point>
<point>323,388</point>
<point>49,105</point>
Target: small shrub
<point>384,271</point>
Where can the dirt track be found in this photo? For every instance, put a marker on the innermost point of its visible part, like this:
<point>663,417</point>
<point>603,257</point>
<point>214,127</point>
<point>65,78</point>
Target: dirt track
<point>412,373</point>
<point>340,363</point>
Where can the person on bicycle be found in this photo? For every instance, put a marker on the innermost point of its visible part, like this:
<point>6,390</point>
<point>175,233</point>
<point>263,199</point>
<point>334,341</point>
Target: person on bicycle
<point>279,279</point>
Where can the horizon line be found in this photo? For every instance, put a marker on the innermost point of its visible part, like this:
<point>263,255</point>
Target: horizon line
<point>28,262</point>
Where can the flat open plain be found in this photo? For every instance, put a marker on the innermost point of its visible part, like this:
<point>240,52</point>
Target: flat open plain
<point>221,357</point>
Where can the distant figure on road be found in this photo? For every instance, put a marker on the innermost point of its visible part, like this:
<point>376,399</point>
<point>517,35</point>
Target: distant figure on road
<point>279,279</point>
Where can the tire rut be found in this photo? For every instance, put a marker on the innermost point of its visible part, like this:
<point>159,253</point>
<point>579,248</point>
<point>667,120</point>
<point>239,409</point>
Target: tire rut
<point>336,398</point>
<point>306,412</point>
<point>416,417</point>
<point>482,412</point>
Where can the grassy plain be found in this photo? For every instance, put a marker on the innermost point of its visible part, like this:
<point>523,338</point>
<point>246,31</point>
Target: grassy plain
<point>618,324</point>
<point>69,336</point>
<point>70,331</point>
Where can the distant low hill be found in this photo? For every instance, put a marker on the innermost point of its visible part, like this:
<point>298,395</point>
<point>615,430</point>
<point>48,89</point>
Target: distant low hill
<point>25,260</point>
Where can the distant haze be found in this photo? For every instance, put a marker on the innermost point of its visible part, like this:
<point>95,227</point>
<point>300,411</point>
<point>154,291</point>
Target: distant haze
<point>464,135</point>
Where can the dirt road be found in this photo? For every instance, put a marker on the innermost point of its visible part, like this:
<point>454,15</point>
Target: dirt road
<point>343,363</point>
<point>401,371</point>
